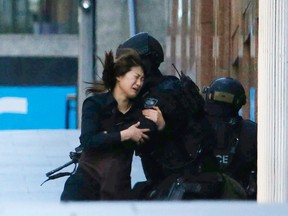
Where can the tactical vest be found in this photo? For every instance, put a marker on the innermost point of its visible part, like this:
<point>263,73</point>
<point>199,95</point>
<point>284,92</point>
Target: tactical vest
<point>185,135</point>
<point>236,149</point>
<point>227,140</point>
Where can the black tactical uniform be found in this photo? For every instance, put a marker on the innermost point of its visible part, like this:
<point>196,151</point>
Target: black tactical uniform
<point>236,146</point>
<point>184,150</point>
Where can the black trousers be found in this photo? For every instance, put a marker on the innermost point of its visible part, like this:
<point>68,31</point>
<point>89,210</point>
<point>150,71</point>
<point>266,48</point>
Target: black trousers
<point>80,187</point>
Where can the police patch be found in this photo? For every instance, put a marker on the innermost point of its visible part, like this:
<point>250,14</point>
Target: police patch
<point>150,102</point>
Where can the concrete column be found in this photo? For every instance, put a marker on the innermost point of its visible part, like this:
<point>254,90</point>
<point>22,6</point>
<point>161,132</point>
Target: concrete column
<point>132,17</point>
<point>86,61</point>
<point>273,101</point>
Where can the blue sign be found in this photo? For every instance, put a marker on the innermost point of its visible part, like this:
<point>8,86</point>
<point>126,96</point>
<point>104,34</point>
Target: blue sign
<point>252,103</point>
<point>36,107</point>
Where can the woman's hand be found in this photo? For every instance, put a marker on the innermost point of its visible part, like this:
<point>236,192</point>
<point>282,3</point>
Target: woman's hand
<point>134,133</point>
<point>156,116</point>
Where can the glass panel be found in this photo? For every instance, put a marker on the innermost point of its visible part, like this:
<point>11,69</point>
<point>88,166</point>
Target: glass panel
<point>39,16</point>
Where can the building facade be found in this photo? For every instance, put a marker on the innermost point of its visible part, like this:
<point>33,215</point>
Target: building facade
<point>205,39</point>
<point>215,38</point>
<point>38,63</point>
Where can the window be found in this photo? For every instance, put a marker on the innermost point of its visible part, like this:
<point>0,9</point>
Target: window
<point>38,16</point>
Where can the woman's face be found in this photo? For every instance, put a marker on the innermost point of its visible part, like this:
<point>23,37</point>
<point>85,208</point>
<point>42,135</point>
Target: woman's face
<point>131,83</point>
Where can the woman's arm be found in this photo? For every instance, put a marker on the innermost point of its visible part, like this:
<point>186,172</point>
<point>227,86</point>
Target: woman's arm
<point>93,136</point>
<point>134,133</point>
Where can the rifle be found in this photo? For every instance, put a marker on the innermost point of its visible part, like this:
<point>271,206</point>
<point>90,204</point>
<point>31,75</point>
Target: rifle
<point>74,156</point>
<point>179,188</point>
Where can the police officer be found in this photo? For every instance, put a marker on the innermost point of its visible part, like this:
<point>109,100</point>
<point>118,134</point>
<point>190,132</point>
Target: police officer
<point>184,149</point>
<point>236,146</point>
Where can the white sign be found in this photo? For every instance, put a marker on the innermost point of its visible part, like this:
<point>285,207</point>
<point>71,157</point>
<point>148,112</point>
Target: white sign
<point>15,105</point>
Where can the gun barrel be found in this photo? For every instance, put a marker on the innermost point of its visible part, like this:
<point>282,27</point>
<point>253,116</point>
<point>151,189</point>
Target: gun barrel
<point>59,168</point>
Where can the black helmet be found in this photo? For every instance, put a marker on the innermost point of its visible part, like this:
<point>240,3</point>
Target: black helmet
<point>227,91</point>
<point>146,45</point>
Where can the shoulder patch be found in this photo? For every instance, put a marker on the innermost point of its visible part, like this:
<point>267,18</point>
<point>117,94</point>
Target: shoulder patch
<point>150,102</point>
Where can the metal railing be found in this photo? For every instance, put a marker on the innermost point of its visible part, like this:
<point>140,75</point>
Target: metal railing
<point>71,104</point>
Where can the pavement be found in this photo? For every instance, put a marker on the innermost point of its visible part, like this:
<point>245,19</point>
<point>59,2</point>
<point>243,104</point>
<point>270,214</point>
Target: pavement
<point>27,155</point>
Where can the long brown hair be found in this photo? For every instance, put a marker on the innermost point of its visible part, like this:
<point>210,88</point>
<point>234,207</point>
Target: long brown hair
<point>127,59</point>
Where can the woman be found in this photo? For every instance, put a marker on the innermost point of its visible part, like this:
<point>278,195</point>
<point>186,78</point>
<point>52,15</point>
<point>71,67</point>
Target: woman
<point>112,127</point>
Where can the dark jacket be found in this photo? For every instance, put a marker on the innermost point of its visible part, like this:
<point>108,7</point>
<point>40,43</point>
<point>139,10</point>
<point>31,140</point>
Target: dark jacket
<point>187,141</point>
<point>104,156</point>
